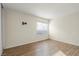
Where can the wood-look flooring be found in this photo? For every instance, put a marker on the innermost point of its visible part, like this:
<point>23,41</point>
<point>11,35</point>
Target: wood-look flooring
<point>43,48</point>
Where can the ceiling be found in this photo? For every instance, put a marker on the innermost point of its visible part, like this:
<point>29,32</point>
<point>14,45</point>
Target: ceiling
<point>45,10</point>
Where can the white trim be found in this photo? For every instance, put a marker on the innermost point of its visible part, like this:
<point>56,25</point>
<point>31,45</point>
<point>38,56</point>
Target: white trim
<point>0,52</point>
<point>68,42</point>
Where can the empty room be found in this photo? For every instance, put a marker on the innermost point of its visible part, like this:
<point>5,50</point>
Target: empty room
<point>39,29</point>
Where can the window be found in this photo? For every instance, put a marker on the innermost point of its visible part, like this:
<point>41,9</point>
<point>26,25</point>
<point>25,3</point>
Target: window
<point>42,28</point>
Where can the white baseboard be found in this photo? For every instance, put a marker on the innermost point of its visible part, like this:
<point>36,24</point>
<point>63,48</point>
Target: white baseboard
<point>0,52</point>
<point>64,41</point>
<point>24,43</point>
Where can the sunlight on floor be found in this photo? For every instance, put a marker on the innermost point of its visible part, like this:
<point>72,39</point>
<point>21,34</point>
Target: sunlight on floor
<point>59,53</point>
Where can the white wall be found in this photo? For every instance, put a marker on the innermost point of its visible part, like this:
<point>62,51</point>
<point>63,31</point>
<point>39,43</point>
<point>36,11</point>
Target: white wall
<point>66,29</point>
<point>18,34</point>
<point>0,33</point>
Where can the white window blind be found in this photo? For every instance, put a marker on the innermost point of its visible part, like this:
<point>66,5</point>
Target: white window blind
<point>42,28</point>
